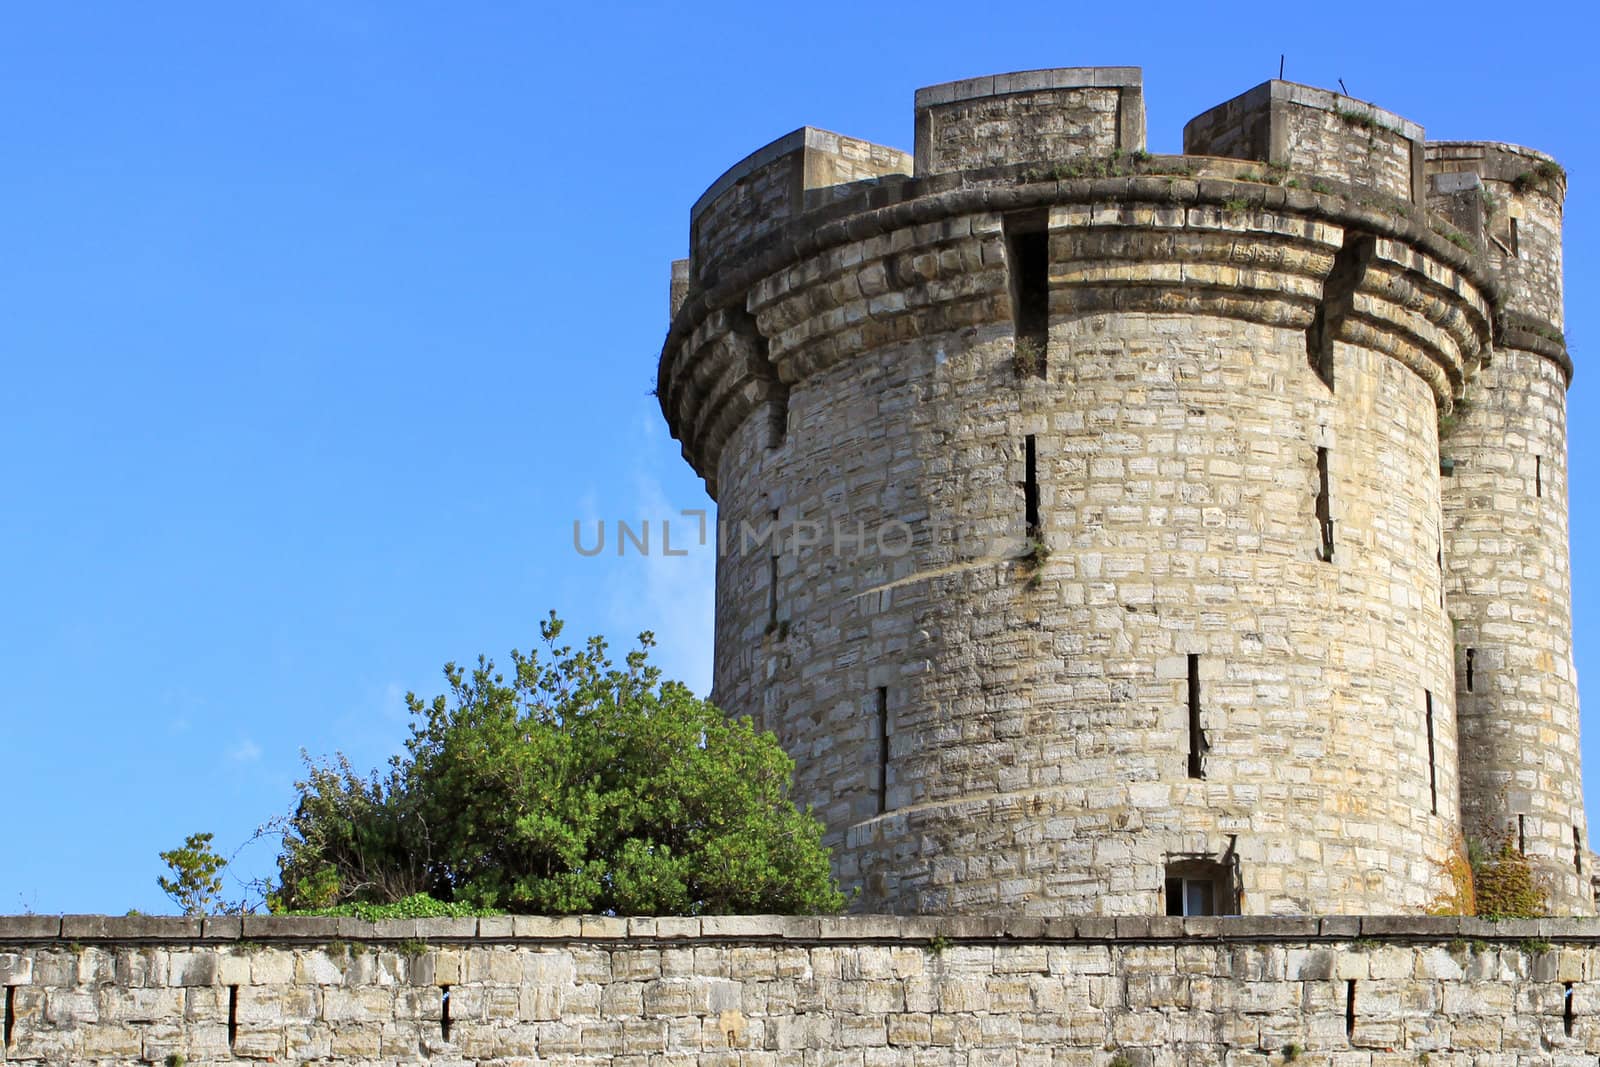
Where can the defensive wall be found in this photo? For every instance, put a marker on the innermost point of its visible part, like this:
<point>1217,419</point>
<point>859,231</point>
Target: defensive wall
<point>862,991</point>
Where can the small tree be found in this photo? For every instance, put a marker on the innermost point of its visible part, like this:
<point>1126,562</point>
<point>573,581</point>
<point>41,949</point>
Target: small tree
<point>571,786</point>
<point>196,885</point>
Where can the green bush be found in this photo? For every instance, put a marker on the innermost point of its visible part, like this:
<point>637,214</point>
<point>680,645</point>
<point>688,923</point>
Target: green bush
<point>567,786</point>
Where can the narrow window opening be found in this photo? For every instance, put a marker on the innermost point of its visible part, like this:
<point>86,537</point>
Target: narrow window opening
<point>1027,240</point>
<point>1030,489</point>
<point>1197,735</point>
<point>1522,835</point>
<point>1350,1007</point>
<point>1538,476</point>
<point>11,1012</point>
<point>883,749</point>
<point>1433,768</point>
<point>772,592</point>
<point>1515,244</point>
<point>444,1012</point>
<point>1200,887</point>
<point>1567,1009</point>
<point>1338,294</point>
<point>1472,668</point>
<point>1324,507</point>
<point>1577,850</point>
<point>233,1015</point>
<point>772,577</point>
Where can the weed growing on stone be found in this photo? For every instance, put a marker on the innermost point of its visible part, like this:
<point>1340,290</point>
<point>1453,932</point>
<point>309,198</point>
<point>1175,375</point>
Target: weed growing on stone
<point>1291,1052</point>
<point>1362,120</point>
<point>1541,177</point>
<point>1033,557</point>
<point>1026,357</point>
<point>1506,886</point>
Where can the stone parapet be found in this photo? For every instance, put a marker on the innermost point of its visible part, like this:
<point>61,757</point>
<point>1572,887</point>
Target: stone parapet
<point>1302,128</point>
<point>69,932</point>
<point>1154,991</point>
<point>1034,116</point>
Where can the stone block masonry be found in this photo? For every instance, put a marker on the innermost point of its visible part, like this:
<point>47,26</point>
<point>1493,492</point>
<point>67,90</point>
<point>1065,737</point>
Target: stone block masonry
<point>754,991</point>
<point>1229,494</point>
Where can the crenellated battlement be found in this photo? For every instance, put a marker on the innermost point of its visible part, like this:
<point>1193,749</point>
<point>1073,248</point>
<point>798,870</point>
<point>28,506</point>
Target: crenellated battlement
<point>779,182</point>
<point>1219,475</point>
<point>1035,116</point>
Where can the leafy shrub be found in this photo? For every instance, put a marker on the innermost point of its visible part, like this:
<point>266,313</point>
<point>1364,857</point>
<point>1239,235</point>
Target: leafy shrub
<point>1505,884</point>
<point>571,786</point>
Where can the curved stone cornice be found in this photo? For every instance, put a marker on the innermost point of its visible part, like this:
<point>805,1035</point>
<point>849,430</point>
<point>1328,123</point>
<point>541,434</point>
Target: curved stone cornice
<point>862,274</point>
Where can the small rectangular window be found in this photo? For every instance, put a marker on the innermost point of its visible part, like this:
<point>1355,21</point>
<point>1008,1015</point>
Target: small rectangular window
<point>1197,734</point>
<point>1538,476</point>
<point>1516,242</point>
<point>883,749</point>
<point>1522,835</point>
<point>1472,668</point>
<point>1577,850</point>
<point>772,592</point>
<point>1433,770</point>
<point>772,574</point>
<point>1324,506</point>
<point>1030,487</point>
<point>1199,887</point>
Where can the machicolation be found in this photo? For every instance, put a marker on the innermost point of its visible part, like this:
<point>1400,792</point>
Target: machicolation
<point>1120,534</point>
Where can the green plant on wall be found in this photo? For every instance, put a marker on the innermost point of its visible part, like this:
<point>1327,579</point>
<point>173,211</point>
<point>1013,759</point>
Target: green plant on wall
<point>196,882</point>
<point>1504,882</point>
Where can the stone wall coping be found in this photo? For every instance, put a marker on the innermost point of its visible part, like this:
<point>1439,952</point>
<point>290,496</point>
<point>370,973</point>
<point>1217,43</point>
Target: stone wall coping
<point>1487,148</point>
<point>1275,91</point>
<point>1025,81</point>
<point>1327,100</point>
<point>67,930</point>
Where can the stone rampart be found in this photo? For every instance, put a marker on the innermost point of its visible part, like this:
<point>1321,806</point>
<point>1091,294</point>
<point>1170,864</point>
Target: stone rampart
<point>770,992</point>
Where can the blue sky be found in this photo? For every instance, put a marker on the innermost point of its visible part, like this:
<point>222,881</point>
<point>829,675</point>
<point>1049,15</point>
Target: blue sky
<point>320,323</point>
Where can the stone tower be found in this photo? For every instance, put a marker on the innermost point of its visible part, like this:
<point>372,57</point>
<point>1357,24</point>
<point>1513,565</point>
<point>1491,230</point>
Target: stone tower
<point>1087,536</point>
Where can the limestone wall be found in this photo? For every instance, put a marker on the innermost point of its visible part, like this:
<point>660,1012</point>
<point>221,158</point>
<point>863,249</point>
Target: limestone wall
<point>1043,116</point>
<point>777,182</point>
<point>1523,209</point>
<point>1315,132</point>
<point>1036,725</point>
<point>767,992</point>
<point>1083,518</point>
<point>1505,501</point>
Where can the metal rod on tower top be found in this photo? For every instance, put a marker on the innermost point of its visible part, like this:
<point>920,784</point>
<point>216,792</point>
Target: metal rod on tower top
<point>1280,66</point>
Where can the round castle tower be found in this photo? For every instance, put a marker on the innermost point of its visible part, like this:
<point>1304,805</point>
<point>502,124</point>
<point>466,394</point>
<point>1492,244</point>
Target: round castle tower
<point>1505,498</point>
<point>1083,527</point>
